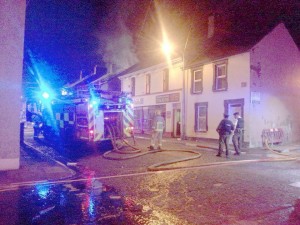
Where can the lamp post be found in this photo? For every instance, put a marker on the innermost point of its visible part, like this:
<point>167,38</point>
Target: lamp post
<point>167,49</point>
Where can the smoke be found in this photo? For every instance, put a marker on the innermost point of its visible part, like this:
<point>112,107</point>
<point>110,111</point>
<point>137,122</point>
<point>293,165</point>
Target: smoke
<point>116,45</point>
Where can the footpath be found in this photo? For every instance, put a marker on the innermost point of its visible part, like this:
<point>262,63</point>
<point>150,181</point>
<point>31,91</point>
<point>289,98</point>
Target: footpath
<point>36,166</point>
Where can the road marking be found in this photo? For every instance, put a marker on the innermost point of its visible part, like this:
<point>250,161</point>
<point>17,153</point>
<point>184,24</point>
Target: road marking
<point>13,186</point>
<point>296,184</point>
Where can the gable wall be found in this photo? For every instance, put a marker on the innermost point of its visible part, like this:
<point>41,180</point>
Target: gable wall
<point>276,86</point>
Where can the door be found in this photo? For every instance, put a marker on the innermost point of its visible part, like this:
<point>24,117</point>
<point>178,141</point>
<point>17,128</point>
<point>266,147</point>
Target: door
<point>232,106</point>
<point>176,123</point>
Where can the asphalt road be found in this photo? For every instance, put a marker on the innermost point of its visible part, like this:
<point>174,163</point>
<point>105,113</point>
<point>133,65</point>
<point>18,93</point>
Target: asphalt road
<point>125,192</point>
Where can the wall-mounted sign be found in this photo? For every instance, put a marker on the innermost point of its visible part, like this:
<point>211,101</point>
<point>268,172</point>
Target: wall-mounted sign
<point>138,101</point>
<point>255,97</point>
<point>177,105</point>
<point>174,97</point>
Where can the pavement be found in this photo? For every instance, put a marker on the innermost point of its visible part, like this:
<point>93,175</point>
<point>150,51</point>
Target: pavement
<point>35,165</point>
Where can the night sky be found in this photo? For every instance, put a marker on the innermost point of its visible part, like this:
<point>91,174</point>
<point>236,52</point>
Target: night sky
<point>68,36</point>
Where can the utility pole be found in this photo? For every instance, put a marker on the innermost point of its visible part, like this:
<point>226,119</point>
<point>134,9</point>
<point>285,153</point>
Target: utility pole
<point>183,113</point>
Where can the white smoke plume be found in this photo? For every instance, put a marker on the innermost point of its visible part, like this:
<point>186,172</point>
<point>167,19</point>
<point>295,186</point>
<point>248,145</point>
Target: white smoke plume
<point>116,44</point>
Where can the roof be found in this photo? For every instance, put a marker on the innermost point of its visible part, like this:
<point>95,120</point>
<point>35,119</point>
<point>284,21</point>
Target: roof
<point>237,42</point>
<point>210,49</point>
<point>233,44</point>
<point>146,63</point>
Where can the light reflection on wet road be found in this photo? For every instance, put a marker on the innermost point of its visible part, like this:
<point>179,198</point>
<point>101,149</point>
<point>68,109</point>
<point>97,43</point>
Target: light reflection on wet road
<point>82,202</point>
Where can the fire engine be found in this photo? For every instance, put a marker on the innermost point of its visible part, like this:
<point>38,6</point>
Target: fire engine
<point>95,117</point>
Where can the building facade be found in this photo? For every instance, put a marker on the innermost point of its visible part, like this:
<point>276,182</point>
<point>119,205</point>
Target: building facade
<point>12,15</point>
<point>259,80</point>
<point>155,87</point>
<point>260,83</point>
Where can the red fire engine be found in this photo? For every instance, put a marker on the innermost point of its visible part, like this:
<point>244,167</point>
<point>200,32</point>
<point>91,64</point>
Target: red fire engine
<point>92,118</point>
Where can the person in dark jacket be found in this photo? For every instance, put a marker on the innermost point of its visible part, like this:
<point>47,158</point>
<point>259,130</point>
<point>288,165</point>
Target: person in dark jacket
<point>238,133</point>
<point>224,129</point>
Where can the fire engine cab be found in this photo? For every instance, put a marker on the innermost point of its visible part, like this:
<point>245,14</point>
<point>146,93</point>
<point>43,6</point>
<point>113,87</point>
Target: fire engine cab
<point>92,118</point>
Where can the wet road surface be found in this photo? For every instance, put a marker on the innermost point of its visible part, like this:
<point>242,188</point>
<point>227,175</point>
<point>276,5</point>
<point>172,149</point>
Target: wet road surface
<point>245,194</point>
<point>124,192</point>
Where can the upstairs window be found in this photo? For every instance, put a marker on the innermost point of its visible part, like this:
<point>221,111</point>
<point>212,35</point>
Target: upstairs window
<point>166,80</point>
<point>220,76</point>
<point>148,82</point>
<point>197,81</point>
<point>201,123</point>
<point>133,86</point>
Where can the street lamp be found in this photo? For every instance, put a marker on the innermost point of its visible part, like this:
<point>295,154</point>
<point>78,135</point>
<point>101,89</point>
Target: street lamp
<point>168,49</point>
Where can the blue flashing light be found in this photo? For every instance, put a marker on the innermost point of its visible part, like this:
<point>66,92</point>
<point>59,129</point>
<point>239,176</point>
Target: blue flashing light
<point>43,190</point>
<point>45,95</point>
<point>128,101</point>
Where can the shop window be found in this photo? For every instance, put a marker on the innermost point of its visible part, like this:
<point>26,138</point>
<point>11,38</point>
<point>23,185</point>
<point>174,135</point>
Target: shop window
<point>201,123</point>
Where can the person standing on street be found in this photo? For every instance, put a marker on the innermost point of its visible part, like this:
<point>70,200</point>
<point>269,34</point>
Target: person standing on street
<point>38,121</point>
<point>238,133</point>
<point>224,129</point>
<point>158,126</point>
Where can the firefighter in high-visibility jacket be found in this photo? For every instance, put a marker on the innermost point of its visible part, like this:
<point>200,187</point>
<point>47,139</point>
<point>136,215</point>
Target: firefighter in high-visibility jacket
<point>158,126</point>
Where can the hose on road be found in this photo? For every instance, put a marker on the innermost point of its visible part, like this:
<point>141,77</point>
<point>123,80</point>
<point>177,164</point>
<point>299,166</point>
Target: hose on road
<point>135,152</point>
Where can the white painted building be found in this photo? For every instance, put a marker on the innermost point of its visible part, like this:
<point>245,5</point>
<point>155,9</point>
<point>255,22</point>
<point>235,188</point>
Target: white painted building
<point>261,82</point>
<point>259,78</point>
<point>155,86</point>
<point>12,17</point>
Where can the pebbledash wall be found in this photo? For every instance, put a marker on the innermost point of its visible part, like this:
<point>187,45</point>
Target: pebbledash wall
<point>275,88</point>
<point>12,20</point>
<point>238,78</point>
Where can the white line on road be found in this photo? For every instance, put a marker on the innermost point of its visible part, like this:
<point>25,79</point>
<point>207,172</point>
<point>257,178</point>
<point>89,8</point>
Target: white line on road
<point>207,165</point>
<point>296,184</point>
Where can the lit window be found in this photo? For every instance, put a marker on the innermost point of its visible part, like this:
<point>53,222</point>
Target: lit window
<point>220,77</point>
<point>148,80</point>
<point>201,117</point>
<point>197,84</point>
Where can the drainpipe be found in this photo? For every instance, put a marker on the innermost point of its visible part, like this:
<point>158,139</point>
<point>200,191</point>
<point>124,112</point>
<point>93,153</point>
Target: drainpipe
<point>183,121</point>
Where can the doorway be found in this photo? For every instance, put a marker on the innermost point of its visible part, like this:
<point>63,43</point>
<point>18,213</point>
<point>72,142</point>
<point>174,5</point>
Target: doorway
<point>232,106</point>
<point>176,122</point>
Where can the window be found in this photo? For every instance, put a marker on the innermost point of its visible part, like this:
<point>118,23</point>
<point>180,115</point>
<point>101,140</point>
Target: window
<point>201,117</point>
<point>220,77</point>
<point>197,84</point>
<point>133,86</point>
<point>148,81</point>
<point>166,80</point>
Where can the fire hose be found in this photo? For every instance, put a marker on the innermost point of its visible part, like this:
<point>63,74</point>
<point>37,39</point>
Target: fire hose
<point>137,152</point>
<point>267,146</point>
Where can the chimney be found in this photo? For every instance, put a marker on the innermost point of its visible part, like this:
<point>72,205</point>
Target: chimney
<point>110,68</point>
<point>95,69</point>
<point>80,75</point>
<point>211,26</point>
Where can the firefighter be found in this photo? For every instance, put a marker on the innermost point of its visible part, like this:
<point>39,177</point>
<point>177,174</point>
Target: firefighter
<point>238,133</point>
<point>158,126</point>
<point>38,121</point>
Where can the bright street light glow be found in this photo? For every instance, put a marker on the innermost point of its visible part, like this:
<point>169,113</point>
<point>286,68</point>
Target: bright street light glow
<point>167,48</point>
